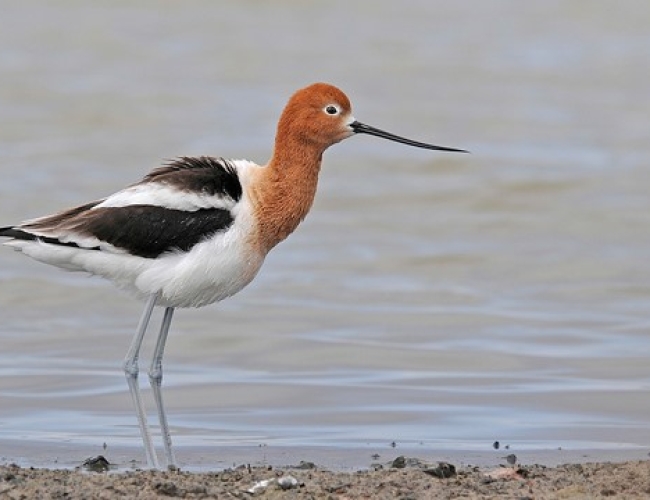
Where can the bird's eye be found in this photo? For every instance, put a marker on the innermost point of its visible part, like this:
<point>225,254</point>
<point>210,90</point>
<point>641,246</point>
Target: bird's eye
<point>332,109</point>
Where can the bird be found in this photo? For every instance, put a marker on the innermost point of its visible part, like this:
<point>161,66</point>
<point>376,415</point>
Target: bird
<point>196,230</point>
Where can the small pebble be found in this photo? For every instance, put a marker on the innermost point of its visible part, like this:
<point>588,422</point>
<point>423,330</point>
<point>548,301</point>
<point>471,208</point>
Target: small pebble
<point>306,465</point>
<point>96,464</point>
<point>443,471</point>
<point>287,482</point>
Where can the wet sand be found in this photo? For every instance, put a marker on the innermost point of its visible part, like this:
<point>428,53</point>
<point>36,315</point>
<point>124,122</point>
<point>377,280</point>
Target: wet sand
<point>298,472</point>
<point>571,481</point>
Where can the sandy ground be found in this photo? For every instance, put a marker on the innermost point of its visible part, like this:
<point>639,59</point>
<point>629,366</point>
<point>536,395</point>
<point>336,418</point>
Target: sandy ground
<point>628,480</point>
<point>402,477</point>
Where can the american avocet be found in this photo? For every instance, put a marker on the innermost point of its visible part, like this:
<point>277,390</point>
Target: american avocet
<point>196,230</point>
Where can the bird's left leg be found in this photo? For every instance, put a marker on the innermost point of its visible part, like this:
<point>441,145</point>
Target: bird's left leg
<point>131,371</point>
<point>155,379</point>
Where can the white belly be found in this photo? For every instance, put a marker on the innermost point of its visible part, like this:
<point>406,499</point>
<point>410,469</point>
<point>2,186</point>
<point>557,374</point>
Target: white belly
<point>211,271</point>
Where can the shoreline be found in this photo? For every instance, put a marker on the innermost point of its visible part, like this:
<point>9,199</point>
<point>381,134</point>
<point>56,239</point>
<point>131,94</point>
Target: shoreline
<point>407,479</point>
<point>54,470</point>
<point>198,459</point>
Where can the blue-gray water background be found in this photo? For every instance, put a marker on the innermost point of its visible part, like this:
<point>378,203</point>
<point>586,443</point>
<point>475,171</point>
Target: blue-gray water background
<point>429,299</point>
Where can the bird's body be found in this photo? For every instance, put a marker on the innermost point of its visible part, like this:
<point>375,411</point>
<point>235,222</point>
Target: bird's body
<point>197,230</point>
<point>187,231</point>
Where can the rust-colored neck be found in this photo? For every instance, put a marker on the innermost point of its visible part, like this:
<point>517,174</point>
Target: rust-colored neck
<point>284,190</point>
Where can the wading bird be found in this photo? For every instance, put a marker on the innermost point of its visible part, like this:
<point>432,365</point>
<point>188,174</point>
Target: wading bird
<point>197,230</point>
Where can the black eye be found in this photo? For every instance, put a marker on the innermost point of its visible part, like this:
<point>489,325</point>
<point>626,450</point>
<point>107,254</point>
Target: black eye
<point>331,110</point>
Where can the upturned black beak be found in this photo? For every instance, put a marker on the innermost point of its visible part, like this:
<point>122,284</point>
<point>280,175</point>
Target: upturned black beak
<point>362,128</point>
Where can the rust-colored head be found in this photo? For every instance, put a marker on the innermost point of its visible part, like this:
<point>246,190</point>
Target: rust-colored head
<point>320,115</point>
<point>316,116</point>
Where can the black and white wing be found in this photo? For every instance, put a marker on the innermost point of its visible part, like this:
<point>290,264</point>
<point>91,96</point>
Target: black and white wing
<point>172,209</point>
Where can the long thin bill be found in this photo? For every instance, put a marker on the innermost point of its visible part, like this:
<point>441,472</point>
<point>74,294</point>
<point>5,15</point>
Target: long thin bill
<point>362,128</point>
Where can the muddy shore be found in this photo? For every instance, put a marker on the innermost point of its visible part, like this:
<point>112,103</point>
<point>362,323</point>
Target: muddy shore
<point>629,480</point>
<point>387,475</point>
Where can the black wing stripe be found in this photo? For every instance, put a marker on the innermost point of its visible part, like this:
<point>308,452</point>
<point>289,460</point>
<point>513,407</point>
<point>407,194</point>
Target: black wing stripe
<point>19,234</point>
<point>143,230</point>
<point>149,231</point>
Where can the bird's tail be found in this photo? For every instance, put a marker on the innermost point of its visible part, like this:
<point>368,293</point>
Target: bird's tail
<point>15,233</point>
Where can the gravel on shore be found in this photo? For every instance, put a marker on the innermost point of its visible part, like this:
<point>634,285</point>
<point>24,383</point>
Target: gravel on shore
<point>405,478</point>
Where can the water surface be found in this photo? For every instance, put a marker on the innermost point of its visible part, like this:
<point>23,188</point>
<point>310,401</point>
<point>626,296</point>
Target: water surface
<point>429,299</point>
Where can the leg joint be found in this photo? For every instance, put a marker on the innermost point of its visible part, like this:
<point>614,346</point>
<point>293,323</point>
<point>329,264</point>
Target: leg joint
<point>131,369</point>
<point>156,374</point>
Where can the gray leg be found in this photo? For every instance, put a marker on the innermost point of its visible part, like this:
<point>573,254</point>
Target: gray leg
<point>155,379</point>
<point>131,372</point>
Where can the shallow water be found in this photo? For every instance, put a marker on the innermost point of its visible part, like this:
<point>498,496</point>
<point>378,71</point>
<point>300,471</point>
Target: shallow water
<point>429,299</point>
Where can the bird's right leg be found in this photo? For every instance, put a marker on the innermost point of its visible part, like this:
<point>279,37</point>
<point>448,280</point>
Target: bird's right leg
<point>155,378</point>
<point>131,371</point>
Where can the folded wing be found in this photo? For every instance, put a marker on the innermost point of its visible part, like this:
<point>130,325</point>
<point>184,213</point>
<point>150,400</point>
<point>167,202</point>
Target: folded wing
<point>172,209</point>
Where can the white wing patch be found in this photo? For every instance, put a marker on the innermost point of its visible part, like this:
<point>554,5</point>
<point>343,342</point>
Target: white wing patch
<point>162,195</point>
